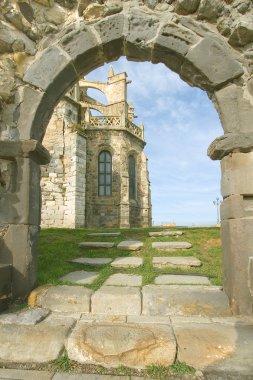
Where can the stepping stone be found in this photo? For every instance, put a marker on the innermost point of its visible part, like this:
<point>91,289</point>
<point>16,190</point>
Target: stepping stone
<point>188,300</point>
<point>27,317</point>
<point>130,245</point>
<point>131,345</point>
<point>219,348</point>
<point>92,244</point>
<point>119,279</point>
<point>92,261</point>
<point>127,262</point>
<point>181,279</point>
<point>116,300</point>
<point>65,298</point>
<point>110,234</point>
<point>41,343</point>
<point>176,262</point>
<point>170,245</point>
<point>166,233</point>
<point>80,277</point>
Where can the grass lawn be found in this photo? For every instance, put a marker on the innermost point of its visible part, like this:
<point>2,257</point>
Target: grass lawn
<point>57,246</point>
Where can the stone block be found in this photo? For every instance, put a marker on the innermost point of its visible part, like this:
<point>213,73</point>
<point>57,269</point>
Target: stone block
<point>171,245</point>
<point>27,343</point>
<point>235,110</point>
<point>230,142</point>
<point>91,261</point>
<point>130,245</point>
<point>131,345</point>
<point>5,279</point>
<point>121,279</point>
<point>65,299</point>
<point>242,32</point>
<point>185,7</point>
<point>108,234</point>
<point>172,44</point>
<point>142,29</point>
<point>127,262</point>
<point>10,35</point>
<point>237,248</point>
<point>111,33</point>
<point>27,317</point>
<point>21,374</point>
<point>237,174</point>
<point>80,277</point>
<point>116,300</point>
<point>237,206</point>
<point>82,46</point>
<point>165,300</point>
<point>210,64</point>
<point>52,71</point>
<point>216,347</point>
<point>176,262</point>
<point>210,10</point>
<point>168,279</point>
<point>165,233</point>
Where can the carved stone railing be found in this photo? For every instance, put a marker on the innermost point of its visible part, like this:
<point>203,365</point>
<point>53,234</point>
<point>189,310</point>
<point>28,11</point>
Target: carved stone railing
<point>113,121</point>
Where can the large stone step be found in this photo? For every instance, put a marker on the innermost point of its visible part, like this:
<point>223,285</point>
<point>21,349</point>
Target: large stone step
<point>184,262</point>
<point>171,245</point>
<point>93,244</point>
<point>165,233</point>
<point>5,285</point>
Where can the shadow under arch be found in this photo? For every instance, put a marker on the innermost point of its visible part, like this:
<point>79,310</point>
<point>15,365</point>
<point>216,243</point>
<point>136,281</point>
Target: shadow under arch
<point>202,60</point>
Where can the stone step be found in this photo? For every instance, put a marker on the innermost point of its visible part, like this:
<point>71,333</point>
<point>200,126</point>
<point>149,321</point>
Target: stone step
<point>168,279</point>
<point>94,261</point>
<point>165,233</point>
<point>171,245</point>
<point>122,279</point>
<point>188,300</point>
<point>80,277</point>
<point>127,262</point>
<point>130,245</point>
<point>109,234</point>
<point>92,244</point>
<point>183,262</point>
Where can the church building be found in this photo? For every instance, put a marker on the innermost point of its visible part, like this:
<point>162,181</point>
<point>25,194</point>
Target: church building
<point>98,174</point>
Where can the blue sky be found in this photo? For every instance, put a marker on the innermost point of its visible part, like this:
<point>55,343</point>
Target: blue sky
<point>180,122</point>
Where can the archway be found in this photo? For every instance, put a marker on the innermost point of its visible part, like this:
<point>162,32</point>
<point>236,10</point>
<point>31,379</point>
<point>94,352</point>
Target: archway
<point>202,58</point>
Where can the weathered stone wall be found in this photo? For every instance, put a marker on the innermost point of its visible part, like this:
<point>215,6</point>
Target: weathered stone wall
<point>116,210</point>
<point>46,48</point>
<point>63,180</point>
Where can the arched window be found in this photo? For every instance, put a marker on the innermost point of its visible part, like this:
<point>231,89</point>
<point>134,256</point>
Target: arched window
<point>105,173</point>
<point>132,177</point>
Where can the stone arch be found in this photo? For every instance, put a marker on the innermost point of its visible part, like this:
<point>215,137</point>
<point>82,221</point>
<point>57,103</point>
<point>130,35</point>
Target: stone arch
<point>202,57</point>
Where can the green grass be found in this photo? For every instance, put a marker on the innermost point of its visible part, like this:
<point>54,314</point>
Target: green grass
<point>162,373</point>
<point>57,246</point>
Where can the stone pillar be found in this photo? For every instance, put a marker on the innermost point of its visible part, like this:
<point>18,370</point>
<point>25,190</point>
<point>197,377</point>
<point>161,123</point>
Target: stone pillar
<point>124,203</point>
<point>20,208</point>
<point>237,229</point>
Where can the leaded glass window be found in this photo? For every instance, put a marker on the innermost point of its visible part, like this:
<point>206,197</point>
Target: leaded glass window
<point>132,177</point>
<point>105,173</point>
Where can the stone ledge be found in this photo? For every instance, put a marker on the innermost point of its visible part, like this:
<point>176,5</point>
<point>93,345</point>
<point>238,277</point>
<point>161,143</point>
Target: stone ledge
<point>230,142</point>
<point>25,148</point>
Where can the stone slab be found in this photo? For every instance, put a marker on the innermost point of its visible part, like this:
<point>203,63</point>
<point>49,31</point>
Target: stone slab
<point>121,279</point>
<point>130,345</point>
<point>80,277</point>
<point>127,262</point>
<point>94,318</point>
<point>187,300</point>
<point>92,261</point>
<point>130,245</point>
<point>20,374</point>
<point>109,234</point>
<point>89,376</point>
<point>176,262</point>
<point>181,279</point>
<point>170,245</point>
<point>66,299</point>
<point>116,300</point>
<point>93,244</point>
<point>36,344</point>
<point>27,317</point>
<point>165,233</point>
<point>225,348</point>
